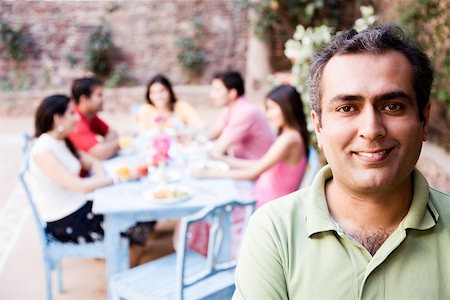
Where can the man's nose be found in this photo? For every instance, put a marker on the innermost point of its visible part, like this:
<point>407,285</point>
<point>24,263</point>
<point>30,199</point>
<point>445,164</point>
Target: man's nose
<point>371,124</point>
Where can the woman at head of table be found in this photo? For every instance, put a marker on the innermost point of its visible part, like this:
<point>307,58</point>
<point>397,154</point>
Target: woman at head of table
<point>164,110</point>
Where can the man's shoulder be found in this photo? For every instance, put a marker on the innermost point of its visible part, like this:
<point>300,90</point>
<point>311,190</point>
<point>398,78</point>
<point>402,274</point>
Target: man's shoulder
<point>246,106</point>
<point>284,210</point>
<point>441,201</point>
<point>97,118</point>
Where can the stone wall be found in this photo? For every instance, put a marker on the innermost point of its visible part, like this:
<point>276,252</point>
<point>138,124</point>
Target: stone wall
<point>144,31</point>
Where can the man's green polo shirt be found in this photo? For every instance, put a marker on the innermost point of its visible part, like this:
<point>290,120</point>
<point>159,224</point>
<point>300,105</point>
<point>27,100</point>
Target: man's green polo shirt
<point>294,250</point>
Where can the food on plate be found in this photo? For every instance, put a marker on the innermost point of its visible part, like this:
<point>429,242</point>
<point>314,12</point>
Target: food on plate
<point>169,193</point>
<point>123,172</point>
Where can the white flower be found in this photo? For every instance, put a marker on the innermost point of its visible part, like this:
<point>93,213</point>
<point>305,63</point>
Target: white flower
<point>299,32</point>
<point>366,11</point>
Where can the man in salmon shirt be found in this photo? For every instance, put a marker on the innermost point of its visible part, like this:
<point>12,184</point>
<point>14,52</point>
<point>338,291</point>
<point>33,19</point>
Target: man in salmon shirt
<point>92,134</point>
<point>242,131</point>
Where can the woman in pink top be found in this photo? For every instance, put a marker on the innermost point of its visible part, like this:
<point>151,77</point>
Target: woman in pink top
<point>280,171</point>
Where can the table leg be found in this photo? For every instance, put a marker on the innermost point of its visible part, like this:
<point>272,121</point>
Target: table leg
<point>117,248</point>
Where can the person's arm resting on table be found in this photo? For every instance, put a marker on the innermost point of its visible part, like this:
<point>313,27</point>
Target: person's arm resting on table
<point>260,274</point>
<point>236,131</point>
<point>108,147</point>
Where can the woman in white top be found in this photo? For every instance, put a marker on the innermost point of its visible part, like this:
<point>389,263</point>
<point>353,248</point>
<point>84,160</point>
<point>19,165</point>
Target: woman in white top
<point>55,168</point>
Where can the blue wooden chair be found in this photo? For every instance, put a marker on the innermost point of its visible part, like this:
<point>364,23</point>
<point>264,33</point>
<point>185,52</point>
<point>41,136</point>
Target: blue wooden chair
<point>312,168</point>
<point>186,274</point>
<point>52,249</point>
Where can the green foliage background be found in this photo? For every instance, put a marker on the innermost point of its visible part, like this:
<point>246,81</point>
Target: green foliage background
<point>429,22</point>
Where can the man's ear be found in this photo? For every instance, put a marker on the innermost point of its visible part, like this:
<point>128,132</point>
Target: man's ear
<point>426,120</point>
<point>317,127</point>
<point>233,94</point>
<point>83,99</point>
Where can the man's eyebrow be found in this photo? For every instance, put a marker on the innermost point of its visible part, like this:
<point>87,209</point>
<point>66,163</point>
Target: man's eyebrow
<point>394,95</point>
<point>383,97</point>
<point>344,97</point>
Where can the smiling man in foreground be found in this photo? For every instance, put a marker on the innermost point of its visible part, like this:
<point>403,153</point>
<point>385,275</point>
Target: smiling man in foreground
<point>369,227</point>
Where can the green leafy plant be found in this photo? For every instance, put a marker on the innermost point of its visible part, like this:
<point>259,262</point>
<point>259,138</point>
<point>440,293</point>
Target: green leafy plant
<point>100,50</point>
<point>16,79</point>
<point>289,13</point>
<point>190,56</point>
<point>16,42</point>
<point>428,21</point>
<point>71,60</point>
<point>118,76</point>
<point>307,41</point>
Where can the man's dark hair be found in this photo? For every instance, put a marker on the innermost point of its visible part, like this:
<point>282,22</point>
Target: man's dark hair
<point>232,80</point>
<point>84,87</point>
<point>378,39</point>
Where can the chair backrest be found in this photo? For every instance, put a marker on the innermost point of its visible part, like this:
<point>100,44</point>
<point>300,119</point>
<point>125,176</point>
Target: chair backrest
<point>27,143</point>
<point>219,257</point>
<point>312,167</point>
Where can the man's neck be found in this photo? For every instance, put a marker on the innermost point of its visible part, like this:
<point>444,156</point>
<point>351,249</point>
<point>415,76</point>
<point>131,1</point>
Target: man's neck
<point>233,102</point>
<point>368,217</point>
<point>85,112</point>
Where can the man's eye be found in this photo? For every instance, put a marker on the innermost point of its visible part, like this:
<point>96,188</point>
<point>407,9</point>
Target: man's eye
<point>392,107</point>
<point>346,108</point>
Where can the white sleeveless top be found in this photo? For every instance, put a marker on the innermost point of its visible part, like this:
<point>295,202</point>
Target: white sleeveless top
<point>52,200</point>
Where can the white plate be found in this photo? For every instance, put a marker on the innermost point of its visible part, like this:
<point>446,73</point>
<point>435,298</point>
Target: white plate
<point>167,176</point>
<point>216,165</point>
<point>152,194</point>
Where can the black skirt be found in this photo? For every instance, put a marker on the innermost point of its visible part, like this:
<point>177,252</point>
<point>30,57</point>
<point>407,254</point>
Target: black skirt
<point>83,226</point>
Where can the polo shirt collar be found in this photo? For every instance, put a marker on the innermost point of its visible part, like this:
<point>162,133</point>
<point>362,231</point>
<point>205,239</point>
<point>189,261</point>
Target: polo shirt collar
<point>421,215</point>
<point>318,217</point>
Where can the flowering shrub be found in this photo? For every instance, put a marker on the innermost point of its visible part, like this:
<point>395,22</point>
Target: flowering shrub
<point>307,41</point>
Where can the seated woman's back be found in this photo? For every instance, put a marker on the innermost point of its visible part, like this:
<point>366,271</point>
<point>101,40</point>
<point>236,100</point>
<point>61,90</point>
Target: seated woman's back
<point>284,176</point>
<point>53,201</point>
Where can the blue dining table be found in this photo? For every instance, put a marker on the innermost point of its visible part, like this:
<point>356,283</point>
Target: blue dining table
<point>126,203</point>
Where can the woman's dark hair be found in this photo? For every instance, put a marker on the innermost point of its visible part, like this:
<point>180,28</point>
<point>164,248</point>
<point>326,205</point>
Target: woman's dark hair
<point>166,83</point>
<point>290,102</point>
<point>43,120</point>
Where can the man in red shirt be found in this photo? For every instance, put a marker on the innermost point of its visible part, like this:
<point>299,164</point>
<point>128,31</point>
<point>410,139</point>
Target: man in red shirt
<point>92,135</point>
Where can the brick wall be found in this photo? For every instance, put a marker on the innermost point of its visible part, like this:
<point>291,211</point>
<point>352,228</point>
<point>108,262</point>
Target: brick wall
<point>144,31</point>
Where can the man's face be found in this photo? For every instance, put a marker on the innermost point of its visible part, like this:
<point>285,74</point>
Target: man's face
<point>96,99</point>
<point>370,130</point>
<point>219,93</point>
